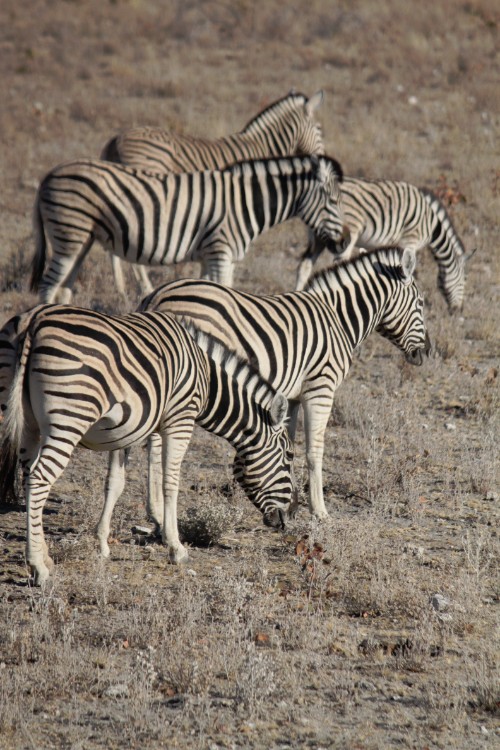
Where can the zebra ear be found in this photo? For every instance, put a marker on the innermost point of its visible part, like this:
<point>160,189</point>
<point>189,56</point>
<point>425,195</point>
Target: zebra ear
<point>279,410</point>
<point>314,102</point>
<point>320,170</point>
<point>408,264</point>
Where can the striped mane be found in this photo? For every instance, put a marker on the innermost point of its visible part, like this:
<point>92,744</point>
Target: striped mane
<point>229,360</point>
<point>273,165</point>
<point>391,255</point>
<point>274,110</point>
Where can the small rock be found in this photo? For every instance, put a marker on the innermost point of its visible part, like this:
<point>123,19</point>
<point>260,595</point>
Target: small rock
<point>191,572</point>
<point>439,602</point>
<point>412,101</point>
<point>450,426</point>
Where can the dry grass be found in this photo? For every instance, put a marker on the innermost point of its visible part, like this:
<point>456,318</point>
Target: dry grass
<point>378,628</point>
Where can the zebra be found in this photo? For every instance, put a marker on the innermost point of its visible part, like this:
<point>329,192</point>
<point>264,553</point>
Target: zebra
<point>81,377</point>
<point>287,127</point>
<point>382,212</point>
<point>303,342</point>
<point>151,219</point>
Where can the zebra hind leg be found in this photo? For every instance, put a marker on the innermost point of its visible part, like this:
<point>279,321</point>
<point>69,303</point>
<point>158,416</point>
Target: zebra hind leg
<point>173,450</point>
<point>155,508</point>
<point>41,467</point>
<point>59,278</point>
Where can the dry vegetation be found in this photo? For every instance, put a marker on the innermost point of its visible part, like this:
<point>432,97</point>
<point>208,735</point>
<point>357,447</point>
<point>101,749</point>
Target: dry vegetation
<point>377,629</point>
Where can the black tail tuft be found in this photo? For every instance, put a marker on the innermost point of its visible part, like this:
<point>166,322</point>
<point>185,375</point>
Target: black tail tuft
<point>38,263</point>
<point>8,473</point>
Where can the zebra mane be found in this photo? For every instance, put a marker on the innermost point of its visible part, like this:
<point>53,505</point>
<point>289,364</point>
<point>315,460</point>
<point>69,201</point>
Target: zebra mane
<point>274,165</point>
<point>229,360</point>
<point>276,106</point>
<point>390,253</point>
<point>287,165</point>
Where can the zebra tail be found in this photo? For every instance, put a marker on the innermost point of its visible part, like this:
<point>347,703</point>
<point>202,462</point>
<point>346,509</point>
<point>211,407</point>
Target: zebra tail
<point>8,473</point>
<point>39,259</point>
<point>110,151</point>
<point>14,422</point>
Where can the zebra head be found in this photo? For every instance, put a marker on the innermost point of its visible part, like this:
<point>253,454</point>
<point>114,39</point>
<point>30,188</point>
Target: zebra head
<point>402,321</point>
<point>309,133</point>
<point>264,470</point>
<point>322,205</point>
<point>451,282</point>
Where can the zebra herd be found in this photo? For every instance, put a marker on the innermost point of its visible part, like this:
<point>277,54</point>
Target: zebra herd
<point>238,364</point>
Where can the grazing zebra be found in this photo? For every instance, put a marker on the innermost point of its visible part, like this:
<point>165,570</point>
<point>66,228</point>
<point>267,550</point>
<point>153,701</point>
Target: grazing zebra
<point>107,383</point>
<point>303,342</point>
<point>384,212</point>
<point>285,128</point>
<point>163,219</point>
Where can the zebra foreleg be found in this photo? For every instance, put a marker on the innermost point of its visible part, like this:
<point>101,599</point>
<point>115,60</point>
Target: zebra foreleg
<point>142,278</point>
<point>217,265</point>
<point>140,275</point>
<point>115,483</point>
<point>315,422</point>
<point>118,277</point>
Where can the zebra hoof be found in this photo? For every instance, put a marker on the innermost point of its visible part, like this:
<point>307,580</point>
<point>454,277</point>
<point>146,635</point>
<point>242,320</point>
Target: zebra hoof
<point>178,556</point>
<point>40,573</point>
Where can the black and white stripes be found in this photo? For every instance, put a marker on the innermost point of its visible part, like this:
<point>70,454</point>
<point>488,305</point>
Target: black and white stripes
<point>303,342</point>
<point>71,376</point>
<point>210,216</point>
<point>285,128</point>
<point>385,212</point>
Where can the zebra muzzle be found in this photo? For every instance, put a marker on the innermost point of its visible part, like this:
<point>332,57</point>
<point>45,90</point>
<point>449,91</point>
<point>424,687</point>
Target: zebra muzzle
<point>339,247</point>
<point>278,517</point>
<point>416,356</point>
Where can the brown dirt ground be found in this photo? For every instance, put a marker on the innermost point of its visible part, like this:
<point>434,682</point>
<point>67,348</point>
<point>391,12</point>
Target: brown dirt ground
<point>265,641</point>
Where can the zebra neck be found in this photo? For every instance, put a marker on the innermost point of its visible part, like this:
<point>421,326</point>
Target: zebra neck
<point>444,243</point>
<point>273,191</point>
<point>354,296</point>
<point>260,143</point>
<point>236,403</point>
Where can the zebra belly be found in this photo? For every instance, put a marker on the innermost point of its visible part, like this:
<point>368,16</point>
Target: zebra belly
<point>118,428</point>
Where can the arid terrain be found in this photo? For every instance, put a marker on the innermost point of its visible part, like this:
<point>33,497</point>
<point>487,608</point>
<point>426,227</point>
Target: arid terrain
<point>379,627</point>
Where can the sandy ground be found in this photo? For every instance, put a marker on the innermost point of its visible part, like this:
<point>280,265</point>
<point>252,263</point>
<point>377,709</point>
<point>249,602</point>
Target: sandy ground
<point>266,640</point>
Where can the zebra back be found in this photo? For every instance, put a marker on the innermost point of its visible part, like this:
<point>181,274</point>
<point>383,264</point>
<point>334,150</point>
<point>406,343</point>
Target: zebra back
<point>298,338</point>
<point>303,342</point>
<point>159,219</point>
<point>284,128</point>
<point>136,374</point>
